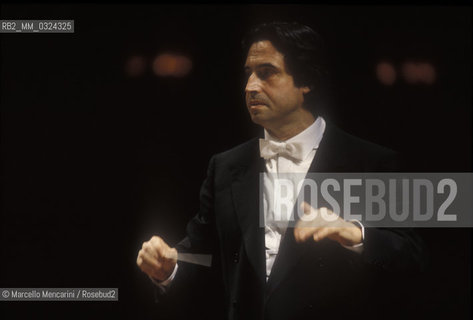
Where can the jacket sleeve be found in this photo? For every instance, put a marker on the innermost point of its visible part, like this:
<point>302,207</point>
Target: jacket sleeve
<point>393,249</point>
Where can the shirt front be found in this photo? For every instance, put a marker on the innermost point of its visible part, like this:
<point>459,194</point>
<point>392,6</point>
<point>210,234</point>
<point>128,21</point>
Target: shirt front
<point>284,167</point>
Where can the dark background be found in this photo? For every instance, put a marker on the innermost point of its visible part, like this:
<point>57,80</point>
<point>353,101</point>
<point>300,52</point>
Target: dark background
<point>94,162</point>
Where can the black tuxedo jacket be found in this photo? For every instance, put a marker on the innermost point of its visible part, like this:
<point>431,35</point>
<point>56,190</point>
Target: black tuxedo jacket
<point>310,280</point>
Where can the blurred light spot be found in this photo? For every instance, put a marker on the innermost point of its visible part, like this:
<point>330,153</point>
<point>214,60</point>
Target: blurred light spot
<point>429,74</point>
<point>172,65</point>
<point>135,66</point>
<point>419,72</point>
<point>386,73</point>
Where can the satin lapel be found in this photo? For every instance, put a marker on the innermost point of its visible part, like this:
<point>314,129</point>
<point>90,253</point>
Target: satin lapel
<point>334,153</point>
<point>331,156</point>
<point>246,197</point>
<point>288,256</point>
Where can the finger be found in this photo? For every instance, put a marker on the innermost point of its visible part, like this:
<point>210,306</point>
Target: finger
<point>316,217</point>
<point>157,242</point>
<point>146,257</point>
<point>306,208</point>
<point>161,248</point>
<point>144,265</point>
<point>323,233</point>
<point>150,261</point>
<point>166,254</point>
<point>303,233</point>
<point>139,258</point>
<point>327,215</point>
<point>171,254</point>
<point>302,224</point>
<point>150,249</point>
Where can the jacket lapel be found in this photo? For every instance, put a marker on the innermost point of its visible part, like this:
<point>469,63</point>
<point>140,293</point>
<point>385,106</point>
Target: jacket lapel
<point>334,153</point>
<point>288,256</point>
<point>247,202</point>
<point>331,156</point>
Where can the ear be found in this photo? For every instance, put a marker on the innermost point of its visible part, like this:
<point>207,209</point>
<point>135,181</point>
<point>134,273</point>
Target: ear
<point>305,90</point>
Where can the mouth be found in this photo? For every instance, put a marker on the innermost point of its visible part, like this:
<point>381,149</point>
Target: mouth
<point>256,104</point>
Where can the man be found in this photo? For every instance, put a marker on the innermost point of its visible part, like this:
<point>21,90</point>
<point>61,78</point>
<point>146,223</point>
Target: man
<point>271,271</point>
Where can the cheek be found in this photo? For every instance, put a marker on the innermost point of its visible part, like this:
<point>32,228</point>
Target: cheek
<point>287,98</point>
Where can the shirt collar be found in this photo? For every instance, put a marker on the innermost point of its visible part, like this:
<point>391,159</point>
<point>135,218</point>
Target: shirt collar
<point>309,138</point>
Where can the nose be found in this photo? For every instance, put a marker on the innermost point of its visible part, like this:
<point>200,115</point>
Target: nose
<point>253,85</point>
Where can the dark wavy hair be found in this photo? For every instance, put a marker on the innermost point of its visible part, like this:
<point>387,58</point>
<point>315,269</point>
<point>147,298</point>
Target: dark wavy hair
<point>304,54</point>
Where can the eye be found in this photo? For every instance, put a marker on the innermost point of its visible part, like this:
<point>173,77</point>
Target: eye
<point>265,73</point>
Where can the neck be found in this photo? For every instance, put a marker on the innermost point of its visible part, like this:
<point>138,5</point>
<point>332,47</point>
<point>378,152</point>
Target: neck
<point>289,129</point>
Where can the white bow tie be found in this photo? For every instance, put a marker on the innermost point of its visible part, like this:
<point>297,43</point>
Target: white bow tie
<point>269,149</point>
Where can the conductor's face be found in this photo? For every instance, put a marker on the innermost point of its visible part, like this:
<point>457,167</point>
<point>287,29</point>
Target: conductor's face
<point>271,96</point>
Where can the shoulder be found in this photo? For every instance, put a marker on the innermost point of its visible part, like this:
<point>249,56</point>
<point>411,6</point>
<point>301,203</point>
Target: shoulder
<point>369,148</point>
<point>352,143</point>
<point>238,156</point>
<point>358,152</point>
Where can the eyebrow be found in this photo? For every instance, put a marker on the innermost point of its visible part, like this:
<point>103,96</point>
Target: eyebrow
<point>263,65</point>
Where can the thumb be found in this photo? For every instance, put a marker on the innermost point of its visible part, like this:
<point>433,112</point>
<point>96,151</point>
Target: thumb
<point>309,215</point>
<point>171,254</point>
<point>306,208</point>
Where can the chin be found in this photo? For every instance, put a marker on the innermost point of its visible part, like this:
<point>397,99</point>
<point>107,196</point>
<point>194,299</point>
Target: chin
<point>255,118</point>
<point>258,119</point>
